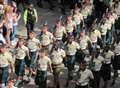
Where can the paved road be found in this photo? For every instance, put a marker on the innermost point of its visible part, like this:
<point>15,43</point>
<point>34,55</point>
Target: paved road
<point>49,16</point>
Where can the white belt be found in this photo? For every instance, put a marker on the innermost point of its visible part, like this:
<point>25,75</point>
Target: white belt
<point>3,65</point>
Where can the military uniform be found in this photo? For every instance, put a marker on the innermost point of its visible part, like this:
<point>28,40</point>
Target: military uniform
<point>84,78</point>
<point>78,18</point>
<point>41,77</point>
<point>71,49</point>
<point>5,60</point>
<point>70,27</point>
<point>20,53</point>
<point>46,39</point>
<point>97,64</point>
<point>57,63</point>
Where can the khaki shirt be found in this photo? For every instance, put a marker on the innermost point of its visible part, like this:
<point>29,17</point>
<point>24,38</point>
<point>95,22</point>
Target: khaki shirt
<point>33,44</point>
<point>83,42</point>
<point>6,59</point>
<point>57,56</point>
<point>85,77</point>
<point>21,52</point>
<point>46,38</point>
<point>72,48</point>
<point>95,35</point>
<point>98,63</point>
<point>78,18</point>
<point>70,26</point>
<point>108,56</point>
<point>43,63</point>
<point>59,32</point>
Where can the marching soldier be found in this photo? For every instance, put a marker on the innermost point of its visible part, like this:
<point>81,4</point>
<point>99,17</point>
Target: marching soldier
<point>57,56</point>
<point>84,76</point>
<point>21,51</point>
<point>43,63</point>
<point>71,47</point>
<point>106,67</point>
<point>70,26</point>
<point>30,17</point>
<point>97,61</point>
<point>59,32</point>
<point>6,60</point>
<point>78,18</point>
<point>116,60</point>
<point>46,38</point>
<point>33,45</point>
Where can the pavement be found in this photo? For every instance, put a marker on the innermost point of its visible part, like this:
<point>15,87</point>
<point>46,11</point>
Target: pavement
<point>45,15</point>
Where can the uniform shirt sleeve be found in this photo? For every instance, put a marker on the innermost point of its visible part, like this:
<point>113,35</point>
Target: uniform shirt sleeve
<point>63,53</point>
<point>91,75</point>
<point>10,58</point>
<point>35,11</point>
<point>77,45</point>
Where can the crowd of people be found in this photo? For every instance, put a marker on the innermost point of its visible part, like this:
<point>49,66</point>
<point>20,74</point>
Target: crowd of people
<point>89,37</point>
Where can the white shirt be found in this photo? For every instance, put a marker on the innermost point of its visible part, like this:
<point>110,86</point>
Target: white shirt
<point>46,38</point>
<point>98,63</point>
<point>72,48</point>
<point>104,28</point>
<point>70,26</point>
<point>59,33</point>
<point>78,18</point>
<point>43,63</point>
<point>108,56</point>
<point>57,56</point>
<point>83,42</point>
<point>33,44</point>
<point>21,52</point>
<point>85,77</point>
<point>95,35</point>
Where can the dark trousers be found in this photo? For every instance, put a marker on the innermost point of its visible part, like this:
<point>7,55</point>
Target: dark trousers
<point>77,86</point>
<point>41,79</point>
<point>30,27</point>
<point>97,77</point>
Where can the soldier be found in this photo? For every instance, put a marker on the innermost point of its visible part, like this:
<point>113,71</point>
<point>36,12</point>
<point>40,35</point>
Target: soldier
<point>106,67</point>
<point>46,38</point>
<point>57,55</point>
<point>6,60</point>
<point>95,36</point>
<point>97,61</point>
<point>42,68</point>
<point>84,76</point>
<point>78,18</point>
<point>30,17</point>
<point>21,51</point>
<point>33,45</point>
<point>70,26</point>
<point>71,47</point>
<point>116,60</point>
<point>59,32</point>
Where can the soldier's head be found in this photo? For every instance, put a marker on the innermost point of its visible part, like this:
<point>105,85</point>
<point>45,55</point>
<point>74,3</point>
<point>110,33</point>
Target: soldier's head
<point>82,33</point>
<point>56,45</point>
<point>58,23</point>
<point>83,65</point>
<point>69,17</point>
<point>31,34</point>
<point>20,42</point>
<point>70,38</point>
<point>43,53</point>
<point>45,29</point>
